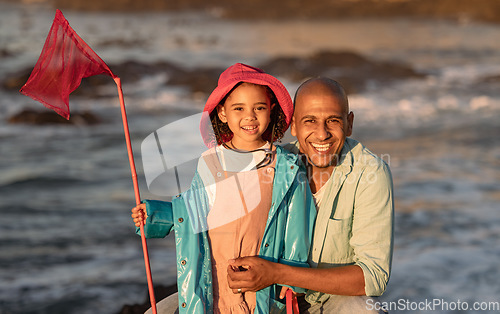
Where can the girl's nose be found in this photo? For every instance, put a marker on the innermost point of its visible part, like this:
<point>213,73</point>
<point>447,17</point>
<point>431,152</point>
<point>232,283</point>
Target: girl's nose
<point>250,115</point>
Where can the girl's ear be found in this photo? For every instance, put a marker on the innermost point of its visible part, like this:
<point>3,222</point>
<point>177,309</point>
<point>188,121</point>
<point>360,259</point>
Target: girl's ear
<point>221,111</point>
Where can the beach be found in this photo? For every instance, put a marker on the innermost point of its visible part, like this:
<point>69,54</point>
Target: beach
<point>424,92</point>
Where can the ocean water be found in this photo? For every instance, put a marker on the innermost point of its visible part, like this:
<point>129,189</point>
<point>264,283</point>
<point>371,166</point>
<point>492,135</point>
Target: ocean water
<point>67,243</point>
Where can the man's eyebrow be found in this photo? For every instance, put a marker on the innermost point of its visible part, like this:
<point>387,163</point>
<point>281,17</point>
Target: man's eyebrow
<point>335,117</point>
<point>308,117</point>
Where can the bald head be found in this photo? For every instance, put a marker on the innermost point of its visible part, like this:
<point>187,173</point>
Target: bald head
<point>322,86</point>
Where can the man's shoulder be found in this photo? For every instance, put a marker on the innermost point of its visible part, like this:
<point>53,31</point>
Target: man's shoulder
<point>363,157</point>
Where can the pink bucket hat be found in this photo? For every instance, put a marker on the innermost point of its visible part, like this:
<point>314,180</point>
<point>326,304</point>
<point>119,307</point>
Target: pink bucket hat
<point>244,73</point>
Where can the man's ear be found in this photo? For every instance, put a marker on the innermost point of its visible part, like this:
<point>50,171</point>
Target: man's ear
<point>221,111</point>
<point>293,131</point>
<point>350,121</point>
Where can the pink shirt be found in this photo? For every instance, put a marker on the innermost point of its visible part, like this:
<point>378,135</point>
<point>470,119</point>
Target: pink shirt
<point>236,222</point>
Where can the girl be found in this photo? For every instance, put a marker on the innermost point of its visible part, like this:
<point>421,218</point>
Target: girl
<point>247,198</point>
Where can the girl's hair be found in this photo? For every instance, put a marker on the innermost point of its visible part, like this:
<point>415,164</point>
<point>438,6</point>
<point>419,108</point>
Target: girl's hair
<point>278,120</point>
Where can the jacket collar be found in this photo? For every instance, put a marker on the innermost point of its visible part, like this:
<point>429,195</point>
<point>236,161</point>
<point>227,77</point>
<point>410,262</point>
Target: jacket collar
<point>285,174</point>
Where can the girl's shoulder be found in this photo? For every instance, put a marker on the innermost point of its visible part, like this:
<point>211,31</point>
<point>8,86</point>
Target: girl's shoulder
<point>208,152</point>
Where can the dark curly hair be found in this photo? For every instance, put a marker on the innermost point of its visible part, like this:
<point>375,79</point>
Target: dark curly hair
<point>278,120</point>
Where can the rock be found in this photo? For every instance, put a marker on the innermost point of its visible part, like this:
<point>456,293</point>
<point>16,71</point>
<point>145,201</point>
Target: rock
<point>128,71</point>
<point>491,79</point>
<point>5,53</point>
<point>478,10</point>
<point>199,80</point>
<point>161,292</point>
<point>352,70</point>
<point>15,81</point>
<point>30,116</point>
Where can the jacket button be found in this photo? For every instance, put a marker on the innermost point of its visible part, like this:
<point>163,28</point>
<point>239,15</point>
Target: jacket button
<point>181,219</point>
<point>183,304</point>
<point>183,262</point>
<point>178,195</point>
<point>291,167</point>
<point>267,244</point>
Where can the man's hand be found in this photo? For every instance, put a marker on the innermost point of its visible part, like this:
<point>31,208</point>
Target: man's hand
<point>251,274</point>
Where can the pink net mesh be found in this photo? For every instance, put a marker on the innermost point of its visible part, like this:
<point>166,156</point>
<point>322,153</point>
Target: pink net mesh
<point>65,59</point>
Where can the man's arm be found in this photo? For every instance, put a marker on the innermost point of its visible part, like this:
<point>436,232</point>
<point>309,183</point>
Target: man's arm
<point>373,225</point>
<point>260,273</point>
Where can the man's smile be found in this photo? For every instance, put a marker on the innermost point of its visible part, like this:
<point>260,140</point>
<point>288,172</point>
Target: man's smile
<point>321,148</point>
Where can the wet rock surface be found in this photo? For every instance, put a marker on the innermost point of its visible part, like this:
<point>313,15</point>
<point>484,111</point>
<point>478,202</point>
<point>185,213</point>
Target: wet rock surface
<point>350,67</point>
<point>352,70</point>
<point>35,117</point>
<point>161,292</point>
<point>479,10</point>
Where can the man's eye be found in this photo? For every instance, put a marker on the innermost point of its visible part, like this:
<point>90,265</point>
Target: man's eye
<point>309,121</point>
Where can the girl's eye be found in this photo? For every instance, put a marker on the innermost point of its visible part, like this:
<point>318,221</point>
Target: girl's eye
<point>261,108</point>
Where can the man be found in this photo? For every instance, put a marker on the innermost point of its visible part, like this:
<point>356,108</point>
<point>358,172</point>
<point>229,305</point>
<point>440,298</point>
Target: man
<point>351,249</point>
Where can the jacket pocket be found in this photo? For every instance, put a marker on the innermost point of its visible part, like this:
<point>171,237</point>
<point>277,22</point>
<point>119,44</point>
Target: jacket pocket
<point>339,225</point>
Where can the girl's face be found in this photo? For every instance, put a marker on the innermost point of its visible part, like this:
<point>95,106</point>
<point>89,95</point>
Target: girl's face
<point>247,112</point>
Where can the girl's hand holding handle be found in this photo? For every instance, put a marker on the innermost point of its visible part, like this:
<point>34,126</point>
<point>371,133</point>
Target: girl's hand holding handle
<point>139,214</point>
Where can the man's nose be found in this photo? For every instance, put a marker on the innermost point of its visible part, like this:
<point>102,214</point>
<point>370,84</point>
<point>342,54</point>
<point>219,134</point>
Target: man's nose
<point>322,132</point>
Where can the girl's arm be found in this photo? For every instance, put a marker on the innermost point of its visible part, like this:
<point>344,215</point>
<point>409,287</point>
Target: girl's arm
<point>157,217</point>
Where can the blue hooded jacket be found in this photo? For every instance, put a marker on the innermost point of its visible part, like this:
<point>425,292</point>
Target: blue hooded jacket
<point>286,239</point>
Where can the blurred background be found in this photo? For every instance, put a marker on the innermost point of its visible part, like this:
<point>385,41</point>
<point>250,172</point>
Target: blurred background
<point>423,78</point>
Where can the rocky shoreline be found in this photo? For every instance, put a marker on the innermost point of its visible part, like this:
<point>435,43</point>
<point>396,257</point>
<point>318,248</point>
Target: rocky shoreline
<point>160,293</point>
<point>479,10</point>
<point>354,71</point>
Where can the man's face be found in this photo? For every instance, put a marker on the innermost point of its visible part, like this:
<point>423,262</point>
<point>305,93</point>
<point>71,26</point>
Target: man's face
<point>321,124</point>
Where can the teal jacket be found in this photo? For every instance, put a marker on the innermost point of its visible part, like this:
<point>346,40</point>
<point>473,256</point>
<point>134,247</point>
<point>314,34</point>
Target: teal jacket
<point>286,239</point>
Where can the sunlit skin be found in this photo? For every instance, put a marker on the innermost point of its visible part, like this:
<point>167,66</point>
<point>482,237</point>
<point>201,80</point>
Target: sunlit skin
<point>321,123</point>
<point>247,111</point>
